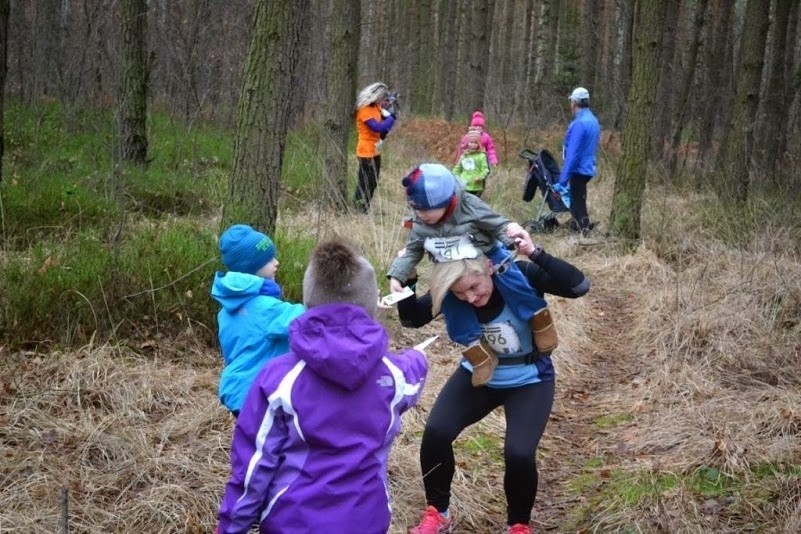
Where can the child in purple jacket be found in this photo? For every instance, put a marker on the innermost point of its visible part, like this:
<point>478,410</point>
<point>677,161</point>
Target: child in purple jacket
<point>312,441</point>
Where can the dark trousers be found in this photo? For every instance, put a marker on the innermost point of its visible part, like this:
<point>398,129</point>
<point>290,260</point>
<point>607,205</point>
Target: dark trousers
<point>459,405</point>
<point>369,169</point>
<point>578,200</point>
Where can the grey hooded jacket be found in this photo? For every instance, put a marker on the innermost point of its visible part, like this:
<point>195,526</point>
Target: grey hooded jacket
<point>472,216</point>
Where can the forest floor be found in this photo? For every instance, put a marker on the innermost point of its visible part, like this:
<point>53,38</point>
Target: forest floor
<point>678,396</point>
<point>583,400</point>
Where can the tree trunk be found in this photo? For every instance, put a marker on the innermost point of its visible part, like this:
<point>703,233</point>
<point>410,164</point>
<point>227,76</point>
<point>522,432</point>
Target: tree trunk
<point>263,114</point>
<point>604,75</point>
<point>624,78</point>
<point>545,84</point>
<point>571,47</point>
<point>446,70</point>
<point>526,91</point>
<point>479,57</point>
<point>773,120</point>
<point>738,144</point>
<point>341,91</point>
<point>422,48</point>
<point>680,110</point>
<point>4,12</point>
<point>133,87</point>
<point>588,47</point>
<point>790,80</point>
<point>633,167</point>
<point>667,80</point>
<point>47,57</point>
<point>711,91</point>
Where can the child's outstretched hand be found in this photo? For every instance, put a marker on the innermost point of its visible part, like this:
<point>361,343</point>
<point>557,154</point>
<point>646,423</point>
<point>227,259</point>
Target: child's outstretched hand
<point>395,286</point>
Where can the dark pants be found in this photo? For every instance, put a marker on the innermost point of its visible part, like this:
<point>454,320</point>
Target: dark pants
<point>578,200</point>
<point>369,169</point>
<point>460,405</point>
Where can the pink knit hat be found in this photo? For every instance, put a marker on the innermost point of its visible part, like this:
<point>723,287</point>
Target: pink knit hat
<point>472,135</point>
<point>478,119</point>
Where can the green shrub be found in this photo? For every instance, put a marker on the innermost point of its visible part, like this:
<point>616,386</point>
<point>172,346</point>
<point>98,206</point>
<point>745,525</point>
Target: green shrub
<point>93,250</point>
<point>55,292</point>
<point>67,292</point>
<point>293,254</point>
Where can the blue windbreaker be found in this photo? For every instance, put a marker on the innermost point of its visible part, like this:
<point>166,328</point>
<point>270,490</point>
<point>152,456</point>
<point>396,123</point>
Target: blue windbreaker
<point>581,143</point>
<point>253,328</point>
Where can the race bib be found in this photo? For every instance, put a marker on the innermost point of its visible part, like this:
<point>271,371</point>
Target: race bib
<point>444,249</point>
<point>501,337</point>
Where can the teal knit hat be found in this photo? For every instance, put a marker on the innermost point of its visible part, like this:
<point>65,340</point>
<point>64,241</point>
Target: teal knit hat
<point>245,250</point>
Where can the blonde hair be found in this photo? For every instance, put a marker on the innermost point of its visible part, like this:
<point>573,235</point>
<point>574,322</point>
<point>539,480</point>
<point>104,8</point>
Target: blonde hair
<point>372,94</point>
<point>445,274</point>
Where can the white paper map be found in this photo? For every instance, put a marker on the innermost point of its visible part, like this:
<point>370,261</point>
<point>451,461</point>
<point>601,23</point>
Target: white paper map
<point>422,345</point>
<point>392,298</point>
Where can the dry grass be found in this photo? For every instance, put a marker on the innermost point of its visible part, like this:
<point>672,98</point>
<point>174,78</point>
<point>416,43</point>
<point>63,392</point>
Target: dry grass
<point>687,347</point>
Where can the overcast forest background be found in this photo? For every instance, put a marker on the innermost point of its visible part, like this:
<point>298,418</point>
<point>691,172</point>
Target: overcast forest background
<point>132,131</point>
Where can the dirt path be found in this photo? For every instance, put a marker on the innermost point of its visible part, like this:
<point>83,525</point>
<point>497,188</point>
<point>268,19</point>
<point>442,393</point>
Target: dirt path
<point>574,437</point>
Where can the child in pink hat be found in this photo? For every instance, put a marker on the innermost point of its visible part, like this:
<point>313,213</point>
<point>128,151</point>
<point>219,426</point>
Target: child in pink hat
<point>473,167</point>
<point>477,125</point>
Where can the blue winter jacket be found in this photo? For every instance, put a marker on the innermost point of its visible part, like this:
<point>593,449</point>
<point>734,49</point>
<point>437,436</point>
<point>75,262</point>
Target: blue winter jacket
<point>253,328</point>
<point>581,143</point>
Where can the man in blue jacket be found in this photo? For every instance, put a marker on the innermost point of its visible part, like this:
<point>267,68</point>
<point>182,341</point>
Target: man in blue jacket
<point>578,152</point>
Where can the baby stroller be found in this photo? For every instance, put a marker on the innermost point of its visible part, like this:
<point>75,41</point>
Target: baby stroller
<point>543,171</point>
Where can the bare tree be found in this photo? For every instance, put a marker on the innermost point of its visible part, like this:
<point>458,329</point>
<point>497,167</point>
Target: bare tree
<point>479,58</point>
<point>667,79</point>
<point>589,44</point>
<point>715,54</point>
<point>421,83</point>
<point>680,110</point>
<point>773,121</point>
<point>133,86</point>
<point>3,70</point>
<point>341,76</point>
<point>632,169</point>
<point>738,145</point>
<point>263,115</point>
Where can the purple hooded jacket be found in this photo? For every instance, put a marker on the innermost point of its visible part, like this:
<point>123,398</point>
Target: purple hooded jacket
<point>311,444</point>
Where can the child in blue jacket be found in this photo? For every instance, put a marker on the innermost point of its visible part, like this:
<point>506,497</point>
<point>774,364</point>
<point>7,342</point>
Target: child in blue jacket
<point>254,319</point>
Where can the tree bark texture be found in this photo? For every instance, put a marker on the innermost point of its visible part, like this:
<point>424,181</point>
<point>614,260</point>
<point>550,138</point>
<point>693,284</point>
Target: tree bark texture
<point>667,79</point>
<point>479,56</point>
<point>633,167</point>
<point>340,104</point>
<point>4,14</point>
<point>777,97</point>
<point>263,115</point>
<point>715,53</point>
<point>133,86</point>
<point>683,95</point>
<point>738,145</point>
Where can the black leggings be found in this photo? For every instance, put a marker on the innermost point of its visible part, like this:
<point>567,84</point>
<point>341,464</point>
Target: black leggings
<point>369,170</point>
<point>578,200</point>
<point>458,406</point>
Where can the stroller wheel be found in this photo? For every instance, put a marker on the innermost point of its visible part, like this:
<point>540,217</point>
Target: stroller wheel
<point>537,227</point>
<point>549,224</point>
